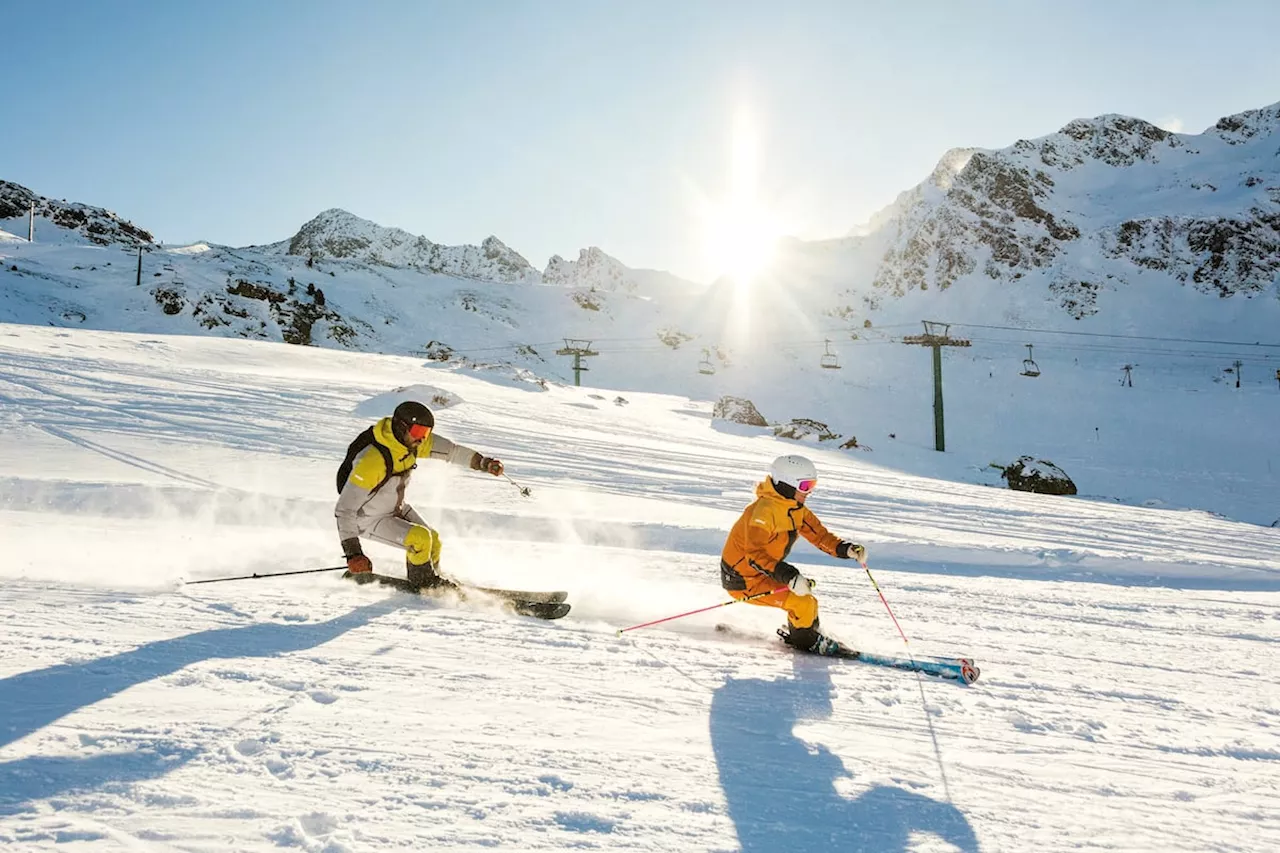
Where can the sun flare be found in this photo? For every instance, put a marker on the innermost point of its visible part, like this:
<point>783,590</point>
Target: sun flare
<point>741,235</point>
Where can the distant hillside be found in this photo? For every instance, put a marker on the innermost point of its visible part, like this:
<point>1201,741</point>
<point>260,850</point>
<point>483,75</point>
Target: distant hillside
<point>65,222</point>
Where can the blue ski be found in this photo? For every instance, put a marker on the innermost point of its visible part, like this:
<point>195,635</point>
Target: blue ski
<point>955,669</point>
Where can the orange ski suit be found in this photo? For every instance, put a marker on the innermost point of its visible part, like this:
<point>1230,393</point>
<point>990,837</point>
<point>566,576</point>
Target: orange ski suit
<point>754,557</point>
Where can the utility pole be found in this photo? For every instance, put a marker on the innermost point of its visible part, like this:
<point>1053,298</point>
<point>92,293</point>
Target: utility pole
<point>31,223</point>
<point>579,350</point>
<point>139,281</point>
<point>936,336</point>
<point>1238,364</point>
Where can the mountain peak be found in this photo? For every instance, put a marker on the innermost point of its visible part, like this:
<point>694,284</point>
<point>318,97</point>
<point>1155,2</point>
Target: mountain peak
<point>1240,127</point>
<point>340,234</point>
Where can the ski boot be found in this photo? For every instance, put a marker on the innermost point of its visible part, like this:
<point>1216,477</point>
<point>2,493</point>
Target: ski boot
<point>814,642</point>
<point>425,578</point>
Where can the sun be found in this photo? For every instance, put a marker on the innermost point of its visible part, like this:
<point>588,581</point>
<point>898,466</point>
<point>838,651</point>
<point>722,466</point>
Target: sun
<point>740,233</point>
<point>741,241</point>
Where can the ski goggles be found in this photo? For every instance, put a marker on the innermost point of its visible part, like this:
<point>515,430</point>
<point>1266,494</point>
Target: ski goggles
<point>806,486</point>
<point>417,432</point>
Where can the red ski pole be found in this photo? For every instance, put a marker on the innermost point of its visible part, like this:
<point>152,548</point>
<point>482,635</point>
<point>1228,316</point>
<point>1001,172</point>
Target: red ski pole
<point>886,606</point>
<point>621,631</point>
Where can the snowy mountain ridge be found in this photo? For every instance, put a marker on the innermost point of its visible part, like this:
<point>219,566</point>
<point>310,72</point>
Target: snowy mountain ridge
<point>338,234</point>
<point>1093,209</point>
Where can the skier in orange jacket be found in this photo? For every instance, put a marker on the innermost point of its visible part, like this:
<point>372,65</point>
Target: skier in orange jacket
<point>754,557</point>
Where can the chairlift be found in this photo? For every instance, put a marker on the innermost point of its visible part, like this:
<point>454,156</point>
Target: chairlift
<point>830,360</point>
<point>1029,366</point>
<point>705,366</point>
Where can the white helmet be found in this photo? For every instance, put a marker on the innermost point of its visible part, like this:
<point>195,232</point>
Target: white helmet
<point>792,470</point>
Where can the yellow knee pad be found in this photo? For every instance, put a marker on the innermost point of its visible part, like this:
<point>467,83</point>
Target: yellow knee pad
<point>422,545</point>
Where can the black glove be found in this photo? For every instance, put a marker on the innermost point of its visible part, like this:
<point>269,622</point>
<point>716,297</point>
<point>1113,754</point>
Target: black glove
<point>487,463</point>
<point>851,551</point>
<point>784,572</point>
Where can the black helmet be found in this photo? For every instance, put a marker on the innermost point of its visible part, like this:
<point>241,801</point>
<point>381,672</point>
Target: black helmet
<point>409,414</point>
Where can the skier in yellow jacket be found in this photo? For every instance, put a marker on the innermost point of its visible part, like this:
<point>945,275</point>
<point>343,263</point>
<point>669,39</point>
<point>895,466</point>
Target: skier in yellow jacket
<point>754,557</point>
<point>371,485</point>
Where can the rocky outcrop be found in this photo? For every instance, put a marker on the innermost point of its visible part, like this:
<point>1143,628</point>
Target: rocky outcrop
<point>1028,474</point>
<point>739,410</point>
<point>805,429</point>
<point>81,222</point>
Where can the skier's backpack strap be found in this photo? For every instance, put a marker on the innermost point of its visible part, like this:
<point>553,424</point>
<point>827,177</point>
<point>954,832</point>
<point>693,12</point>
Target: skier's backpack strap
<point>362,441</point>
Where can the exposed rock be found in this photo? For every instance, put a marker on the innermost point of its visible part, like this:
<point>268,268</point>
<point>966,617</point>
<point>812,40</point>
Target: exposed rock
<point>1218,255</point>
<point>673,337</point>
<point>738,410</point>
<point>1028,474</point>
<point>802,429</point>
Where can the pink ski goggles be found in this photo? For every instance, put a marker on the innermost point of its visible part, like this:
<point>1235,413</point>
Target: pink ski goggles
<point>806,486</point>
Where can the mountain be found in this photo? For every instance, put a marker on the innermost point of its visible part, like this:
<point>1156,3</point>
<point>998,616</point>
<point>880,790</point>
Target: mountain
<point>65,222</point>
<point>1103,205</point>
<point>596,270</point>
<point>337,234</point>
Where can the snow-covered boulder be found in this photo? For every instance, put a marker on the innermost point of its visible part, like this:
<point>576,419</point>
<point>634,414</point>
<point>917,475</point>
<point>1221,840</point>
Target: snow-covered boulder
<point>737,410</point>
<point>1028,474</point>
<point>805,429</point>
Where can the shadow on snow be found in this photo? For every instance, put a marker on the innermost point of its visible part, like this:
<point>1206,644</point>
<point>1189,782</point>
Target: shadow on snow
<point>781,791</point>
<point>29,701</point>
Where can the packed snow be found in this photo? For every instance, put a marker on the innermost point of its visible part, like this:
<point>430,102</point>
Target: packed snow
<point>1126,699</point>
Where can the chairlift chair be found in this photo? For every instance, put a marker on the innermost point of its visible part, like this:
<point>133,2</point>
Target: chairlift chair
<point>830,360</point>
<point>705,366</point>
<point>1029,367</point>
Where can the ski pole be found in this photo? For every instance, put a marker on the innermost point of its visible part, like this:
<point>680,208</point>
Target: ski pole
<point>887,607</point>
<point>621,631</point>
<point>524,490</point>
<point>255,575</point>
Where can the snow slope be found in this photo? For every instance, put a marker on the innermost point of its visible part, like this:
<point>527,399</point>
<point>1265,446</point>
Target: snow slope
<point>1126,700</point>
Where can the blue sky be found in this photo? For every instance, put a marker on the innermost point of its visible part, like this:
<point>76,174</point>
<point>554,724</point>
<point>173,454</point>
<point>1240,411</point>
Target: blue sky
<point>561,124</point>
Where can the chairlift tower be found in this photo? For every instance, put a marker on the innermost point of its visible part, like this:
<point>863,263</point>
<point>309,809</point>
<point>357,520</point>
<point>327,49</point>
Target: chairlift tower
<point>579,350</point>
<point>1127,379</point>
<point>936,335</point>
<point>705,366</point>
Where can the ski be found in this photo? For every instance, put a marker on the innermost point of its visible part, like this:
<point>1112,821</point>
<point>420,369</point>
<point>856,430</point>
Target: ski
<point>963,670</point>
<point>540,605</point>
<point>952,669</point>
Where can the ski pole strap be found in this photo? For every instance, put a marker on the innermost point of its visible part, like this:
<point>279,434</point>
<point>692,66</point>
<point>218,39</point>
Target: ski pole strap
<point>255,575</point>
<point>622,631</point>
